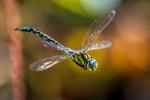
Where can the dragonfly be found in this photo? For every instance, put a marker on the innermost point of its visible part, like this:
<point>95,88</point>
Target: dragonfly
<point>79,56</point>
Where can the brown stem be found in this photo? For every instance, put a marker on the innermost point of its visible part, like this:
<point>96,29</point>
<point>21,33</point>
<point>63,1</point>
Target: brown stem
<point>12,20</point>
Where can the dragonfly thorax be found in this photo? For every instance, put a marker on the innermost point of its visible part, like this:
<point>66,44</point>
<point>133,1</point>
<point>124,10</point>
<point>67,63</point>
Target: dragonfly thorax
<point>85,61</point>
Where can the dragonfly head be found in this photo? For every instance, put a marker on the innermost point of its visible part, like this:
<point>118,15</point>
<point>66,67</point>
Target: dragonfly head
<point>92,64</point>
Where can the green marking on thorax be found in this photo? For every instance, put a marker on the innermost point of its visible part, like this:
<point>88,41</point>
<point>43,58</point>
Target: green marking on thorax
<point>78,59</point>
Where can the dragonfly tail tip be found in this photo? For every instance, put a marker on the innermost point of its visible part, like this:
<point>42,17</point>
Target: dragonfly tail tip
<point>16,29</point>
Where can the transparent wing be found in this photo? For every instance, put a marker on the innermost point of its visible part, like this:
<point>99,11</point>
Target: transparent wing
<point>45,63</point>
<point>101,45</point>
<point>95,29</point>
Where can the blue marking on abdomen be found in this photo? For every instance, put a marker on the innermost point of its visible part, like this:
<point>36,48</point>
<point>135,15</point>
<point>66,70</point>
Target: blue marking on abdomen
<point>42,35</point>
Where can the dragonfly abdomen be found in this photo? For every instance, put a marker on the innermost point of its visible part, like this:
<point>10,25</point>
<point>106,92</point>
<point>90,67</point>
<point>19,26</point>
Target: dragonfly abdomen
<point>48,40</point>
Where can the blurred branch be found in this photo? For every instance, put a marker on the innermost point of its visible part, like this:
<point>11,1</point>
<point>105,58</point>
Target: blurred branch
<point>12,19</point>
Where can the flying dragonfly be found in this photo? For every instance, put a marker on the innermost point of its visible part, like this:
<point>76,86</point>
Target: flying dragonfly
<point>79,56</point>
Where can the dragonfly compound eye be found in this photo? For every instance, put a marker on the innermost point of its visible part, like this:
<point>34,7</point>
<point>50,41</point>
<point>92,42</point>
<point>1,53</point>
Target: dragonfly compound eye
<point>92,64</point>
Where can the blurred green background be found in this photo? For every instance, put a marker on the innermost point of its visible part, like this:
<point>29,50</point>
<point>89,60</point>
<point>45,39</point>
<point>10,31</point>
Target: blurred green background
<point>123,73</point>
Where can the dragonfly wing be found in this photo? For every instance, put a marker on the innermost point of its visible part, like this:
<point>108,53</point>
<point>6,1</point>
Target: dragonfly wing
<point>95,29</point>
<point>46,63</point>
<point>101,45</point>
